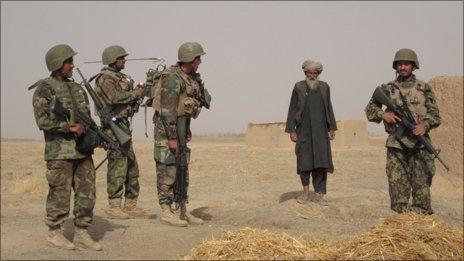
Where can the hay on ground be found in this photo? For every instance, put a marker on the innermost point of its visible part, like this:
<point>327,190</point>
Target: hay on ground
<point>406,236</point>
<point>254,244</point>
<point>401,236</point>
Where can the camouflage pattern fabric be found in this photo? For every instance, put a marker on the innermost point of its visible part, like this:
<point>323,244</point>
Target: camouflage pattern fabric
<point>410,168</point>
<point>123,175</point>
<point>60,144</point>
<point>62,176</point>
<point>410,173</point>
<point>175,87</point>
<point>431,118</point>
<point>165,178</point>
<point>117,90</point>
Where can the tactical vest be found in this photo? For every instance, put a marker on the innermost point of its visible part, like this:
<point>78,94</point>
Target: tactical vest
<point>70,94</point>
<point>73,98</point>
<point>123,83</point>
<point>415,100</point>
<point>188,105</point>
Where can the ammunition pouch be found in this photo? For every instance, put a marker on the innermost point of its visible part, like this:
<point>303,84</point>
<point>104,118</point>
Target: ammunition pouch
<point>188,106</point>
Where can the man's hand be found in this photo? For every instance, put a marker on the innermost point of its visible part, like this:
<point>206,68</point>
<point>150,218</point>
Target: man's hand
<point>104,145</point>
<point>188,136</point>
<point>77,128</point>
<point>419,129</point>
<point>293,137</point>
<point>172,144</point>
<point>139,89</point>
<point>331,135</point>
<point>390,117</point>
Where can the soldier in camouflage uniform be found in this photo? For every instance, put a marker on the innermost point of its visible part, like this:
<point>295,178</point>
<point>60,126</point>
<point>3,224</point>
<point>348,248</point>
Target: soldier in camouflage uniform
<point>179,86</point>
<point>67,168</point>
<point>410,167</point>
<point>115,89</point>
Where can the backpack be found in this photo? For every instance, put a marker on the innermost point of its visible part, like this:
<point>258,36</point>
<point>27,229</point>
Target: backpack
<point>152,87</point>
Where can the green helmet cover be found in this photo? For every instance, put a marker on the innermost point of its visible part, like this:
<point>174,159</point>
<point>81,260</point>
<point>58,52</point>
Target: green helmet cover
<point>188,51</point>
<point>56,56</point>
<point>110,54</point>
<point>406,55</point>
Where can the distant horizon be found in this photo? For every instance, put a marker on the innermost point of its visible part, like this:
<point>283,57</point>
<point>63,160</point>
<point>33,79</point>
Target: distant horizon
<point>254,51</point>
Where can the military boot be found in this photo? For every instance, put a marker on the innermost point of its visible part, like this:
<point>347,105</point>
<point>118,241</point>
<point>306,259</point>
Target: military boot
<point>133,211</point>
<point>83,240</point>
<point>321,199</point>
<point>168,217</point>
<point>185,215</point>
<point>114,210</point>
<point>56,238</point>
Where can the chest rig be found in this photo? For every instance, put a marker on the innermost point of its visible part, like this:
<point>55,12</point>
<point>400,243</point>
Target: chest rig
<point>123,82</point>
<point>70,94</point>
<point>413,96</point>
<point>189,105</point>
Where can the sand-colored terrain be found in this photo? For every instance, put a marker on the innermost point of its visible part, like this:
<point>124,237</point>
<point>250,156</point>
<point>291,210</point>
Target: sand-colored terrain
<point>232,186</point>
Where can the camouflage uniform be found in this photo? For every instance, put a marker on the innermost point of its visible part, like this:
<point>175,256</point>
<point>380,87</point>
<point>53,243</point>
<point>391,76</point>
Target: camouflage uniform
<point>116,89</point>
<point>410,167</point>
<point>176,95</point>
<point>66,167</point>
<point>174,81</point>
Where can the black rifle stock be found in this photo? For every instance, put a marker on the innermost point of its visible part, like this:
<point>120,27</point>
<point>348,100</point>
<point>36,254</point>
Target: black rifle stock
<point>407,121</point>
<point>106,115</point>
<point>180,185</point>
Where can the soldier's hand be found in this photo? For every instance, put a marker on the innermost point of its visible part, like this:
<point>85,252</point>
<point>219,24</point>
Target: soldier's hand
<point>104,145</point>
<point>172,144</point>
<point>77,128</point>
<point>390,117</point>
<point>139,89</point>
<point>293,137</point>
<point>331,135</point>
<point>419,129</point>
<point>188,136</point>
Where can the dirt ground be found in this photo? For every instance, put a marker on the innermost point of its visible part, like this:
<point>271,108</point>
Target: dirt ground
<point>232,186</point>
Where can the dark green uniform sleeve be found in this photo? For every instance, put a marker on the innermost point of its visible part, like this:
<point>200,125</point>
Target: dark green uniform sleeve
<point>374,110</point>
<point>169,103</point>
<point>44,118</point>
<point>432,117</point>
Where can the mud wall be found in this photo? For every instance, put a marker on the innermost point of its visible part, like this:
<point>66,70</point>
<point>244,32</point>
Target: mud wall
<point>350,133</point>
<point>449,135</point>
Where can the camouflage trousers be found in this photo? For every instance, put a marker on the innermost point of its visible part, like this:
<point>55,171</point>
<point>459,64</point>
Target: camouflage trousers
<point>62,176</point>
<point>165,178</point>
<point>410,173</point>
<point>123,175</point>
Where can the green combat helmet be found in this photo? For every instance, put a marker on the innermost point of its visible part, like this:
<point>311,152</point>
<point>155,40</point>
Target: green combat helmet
<point>188,51</point>
<point>110,54</point>
<point>406,55</point>
<point>57,55</point>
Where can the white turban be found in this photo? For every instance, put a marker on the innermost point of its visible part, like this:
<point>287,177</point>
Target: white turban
<point>312,65</point>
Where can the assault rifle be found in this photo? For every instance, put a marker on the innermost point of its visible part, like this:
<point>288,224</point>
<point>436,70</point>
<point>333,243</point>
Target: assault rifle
<point>93,136</point>
<point>182,153</point>
<point>407,121</point>
<point>106,115</point>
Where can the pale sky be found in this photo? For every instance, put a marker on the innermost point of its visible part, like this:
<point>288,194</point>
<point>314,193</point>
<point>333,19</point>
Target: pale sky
<point>254,51</point>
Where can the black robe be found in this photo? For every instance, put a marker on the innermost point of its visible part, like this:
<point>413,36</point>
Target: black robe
<point>311,117</point>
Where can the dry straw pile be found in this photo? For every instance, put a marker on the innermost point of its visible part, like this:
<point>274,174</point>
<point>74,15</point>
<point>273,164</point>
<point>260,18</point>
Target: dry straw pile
<point>405,236</point>
<point>401,236</point>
